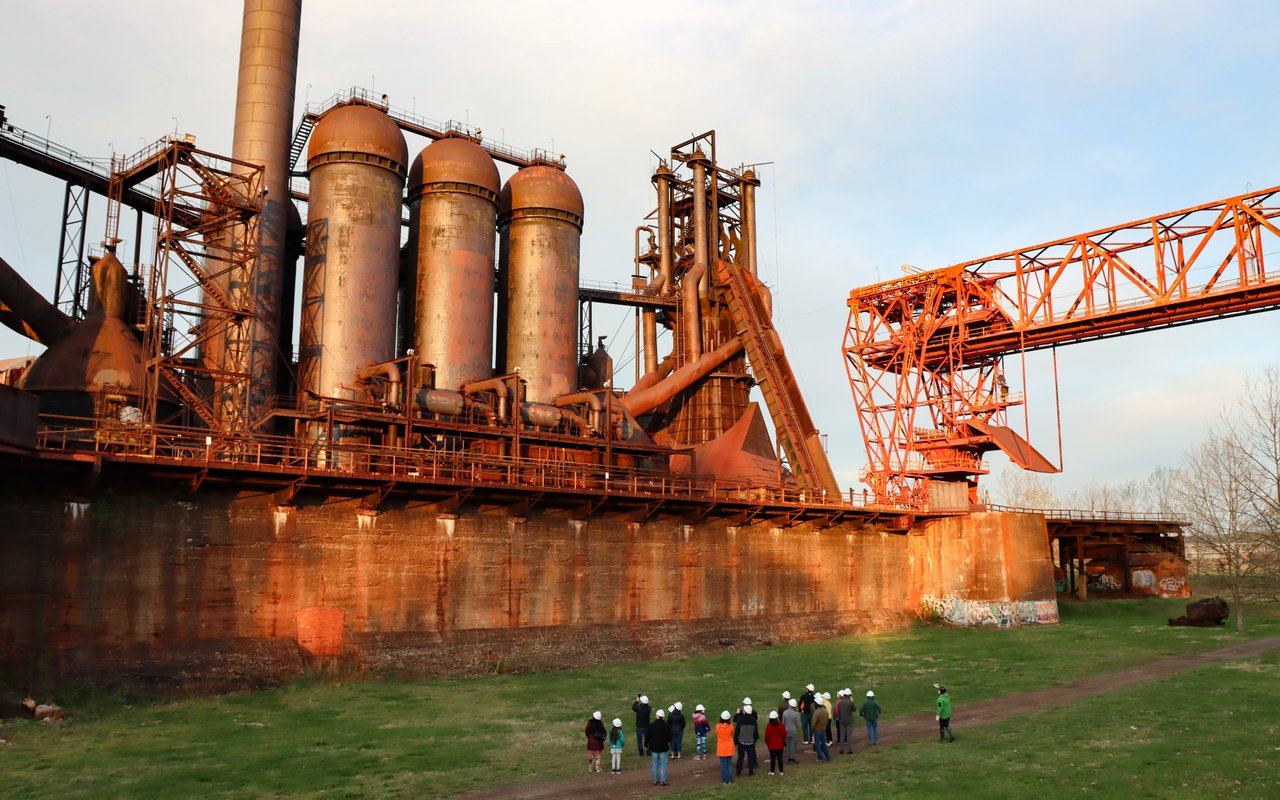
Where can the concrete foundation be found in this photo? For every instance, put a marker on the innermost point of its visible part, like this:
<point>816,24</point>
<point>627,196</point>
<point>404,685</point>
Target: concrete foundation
<point>146,585</point>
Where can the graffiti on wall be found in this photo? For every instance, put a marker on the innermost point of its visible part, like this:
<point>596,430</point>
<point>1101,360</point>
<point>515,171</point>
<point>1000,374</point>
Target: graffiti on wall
<point>1143,579</point>
<point>997,613</point>
<point>1172,585</point>
<point>1105,582</point>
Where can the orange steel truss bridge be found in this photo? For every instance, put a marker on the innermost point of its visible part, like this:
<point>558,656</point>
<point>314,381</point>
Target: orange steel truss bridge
<point>925,353</point>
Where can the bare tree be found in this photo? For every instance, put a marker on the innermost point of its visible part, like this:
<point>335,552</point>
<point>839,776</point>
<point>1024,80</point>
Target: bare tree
<point>1127,496</point>
<point>1022,489</point>
<point>1229,488</point>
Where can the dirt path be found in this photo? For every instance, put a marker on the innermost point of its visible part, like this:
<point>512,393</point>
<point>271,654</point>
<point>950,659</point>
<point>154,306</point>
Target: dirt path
<point>636,782</point>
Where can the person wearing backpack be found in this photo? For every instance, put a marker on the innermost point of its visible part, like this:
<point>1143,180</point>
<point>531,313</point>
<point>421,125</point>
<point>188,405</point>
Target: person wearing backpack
<point>595,741</point>
<point>616,741</point>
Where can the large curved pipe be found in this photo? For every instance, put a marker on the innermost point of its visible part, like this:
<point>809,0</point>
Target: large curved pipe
<point>583,398</point>
<point>692,311</point>
<point>391,371</point>
<point>26,311</point>
<point>495,385</point>
<point>645,400</point>
<point>654,376</point>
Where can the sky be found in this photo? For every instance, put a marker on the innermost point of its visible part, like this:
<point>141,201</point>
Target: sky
<point>921,133</point>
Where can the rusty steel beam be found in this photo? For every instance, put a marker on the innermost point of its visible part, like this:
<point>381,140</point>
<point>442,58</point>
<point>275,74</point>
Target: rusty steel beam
<point>923,352</point>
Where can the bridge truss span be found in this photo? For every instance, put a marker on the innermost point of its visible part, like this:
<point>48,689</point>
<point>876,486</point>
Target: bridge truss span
<point>924,353</point>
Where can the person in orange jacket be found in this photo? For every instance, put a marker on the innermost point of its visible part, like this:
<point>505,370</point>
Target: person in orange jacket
<point>725,747</point>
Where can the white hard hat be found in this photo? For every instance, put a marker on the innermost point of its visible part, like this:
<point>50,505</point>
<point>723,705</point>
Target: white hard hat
<point>870,693</point>
<point>848,692</point>
<point>724,715</point>
<point>773,714</point>
<point>661,713</point>
<point>699,707</point>
<point>617,723</point>
<point>679,707</point>
<point>809,687</point>
<point>644,698</point>
<point>786,695</point>
<point>792,702</point>
<point>746,701</point>
<point>595,715</point>
<point>747,708</point>
<point>817,698</point>
<point>827,695</point>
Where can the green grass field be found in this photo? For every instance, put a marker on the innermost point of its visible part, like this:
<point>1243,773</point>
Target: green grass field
<point>377,736</point>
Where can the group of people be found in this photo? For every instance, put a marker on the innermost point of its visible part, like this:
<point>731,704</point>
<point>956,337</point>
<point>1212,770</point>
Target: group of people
<point>808,719</point>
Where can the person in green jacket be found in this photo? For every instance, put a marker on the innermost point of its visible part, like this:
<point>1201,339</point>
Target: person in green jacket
<point>944,713</point>
<point>870,711</point>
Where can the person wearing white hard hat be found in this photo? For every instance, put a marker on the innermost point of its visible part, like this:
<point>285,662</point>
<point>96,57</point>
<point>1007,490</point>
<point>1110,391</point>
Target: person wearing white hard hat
<point>775,739</point>
<point>871,713</point>
<point>746,732</point>
<point>658,742</point>
<point>701,727</point>
<point>844,712</point>
<point>821,718</point>
<point>675,715</point>
<point>616,740</point>
<point>595,741</point>
<point>791,721</point>
<point>806,713</point>
<point>831,713</point>
<point>642,710</point>
<point>725,746</point>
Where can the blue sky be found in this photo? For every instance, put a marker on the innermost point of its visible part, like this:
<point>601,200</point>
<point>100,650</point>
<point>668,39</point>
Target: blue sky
<point>923,133</point>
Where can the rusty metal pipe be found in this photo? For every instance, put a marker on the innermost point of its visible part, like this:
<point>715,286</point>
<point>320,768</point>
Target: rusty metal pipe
<point>496,385</point>
<point>657,374</point>
<point>749,184</point>
<point>263,135</point>
<point>26,311</point>
<point>581,424</point>
<point>583,398</point>
<point>701,232</point>
<point>645,400</point>
<point>662,179</point>
<point>391,371</point>
<point>692,308</point>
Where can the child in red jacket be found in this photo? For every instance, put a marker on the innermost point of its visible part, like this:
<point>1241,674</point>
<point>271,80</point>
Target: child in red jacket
<point>775,738</point>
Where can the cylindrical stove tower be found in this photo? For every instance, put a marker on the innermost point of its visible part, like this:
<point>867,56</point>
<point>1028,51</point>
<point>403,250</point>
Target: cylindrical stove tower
<point>453,207</point>
<point>540,223</point>
<point>356,166</point>
<point>263,135</point>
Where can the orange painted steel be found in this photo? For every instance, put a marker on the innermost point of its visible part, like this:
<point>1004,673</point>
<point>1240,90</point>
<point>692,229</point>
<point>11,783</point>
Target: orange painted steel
<point>924,353</point>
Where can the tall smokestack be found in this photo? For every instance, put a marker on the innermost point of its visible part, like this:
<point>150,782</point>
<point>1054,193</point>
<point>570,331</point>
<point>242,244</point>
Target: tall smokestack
<point>263,135</point>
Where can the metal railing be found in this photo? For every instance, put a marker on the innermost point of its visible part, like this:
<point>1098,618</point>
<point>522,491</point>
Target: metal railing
<point>1091,515</point>
<point>196,448</point>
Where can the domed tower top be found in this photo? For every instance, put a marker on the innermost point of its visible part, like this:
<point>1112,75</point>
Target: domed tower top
<point>454,160</point>
<point>358,133</point>
<point>540,190</point>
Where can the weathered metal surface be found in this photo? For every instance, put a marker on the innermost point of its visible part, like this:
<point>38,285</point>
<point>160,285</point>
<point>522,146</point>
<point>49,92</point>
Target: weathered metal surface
<point>132,581</point>
<point>262,135</point>
<point>453,194</point>
<point>356,164</point>
<point>26,311</point>
<point>17,417</point>
<point>540,223</point>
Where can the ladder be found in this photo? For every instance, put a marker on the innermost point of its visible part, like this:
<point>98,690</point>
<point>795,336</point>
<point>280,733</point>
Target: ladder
<point>796,432</point>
